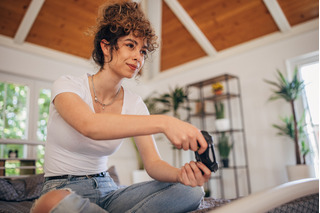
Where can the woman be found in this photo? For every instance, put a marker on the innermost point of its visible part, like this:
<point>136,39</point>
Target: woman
<point>91,114</point>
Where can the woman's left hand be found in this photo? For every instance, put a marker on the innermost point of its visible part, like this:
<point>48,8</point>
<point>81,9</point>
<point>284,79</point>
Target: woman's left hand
<point>191,175</point>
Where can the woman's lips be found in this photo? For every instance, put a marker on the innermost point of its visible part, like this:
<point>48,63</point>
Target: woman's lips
<point>132,66</point>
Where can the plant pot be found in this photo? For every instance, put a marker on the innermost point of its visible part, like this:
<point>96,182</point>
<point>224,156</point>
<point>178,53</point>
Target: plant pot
<point>139,176</point>
<point>222,124</point>
<point>200,106</point>
<point>301,171</point>
<point>225,163</point>
<point>218,92</point>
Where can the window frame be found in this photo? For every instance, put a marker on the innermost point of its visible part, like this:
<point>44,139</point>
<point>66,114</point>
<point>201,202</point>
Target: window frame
<point>35,86</point>
<point>291,64</point>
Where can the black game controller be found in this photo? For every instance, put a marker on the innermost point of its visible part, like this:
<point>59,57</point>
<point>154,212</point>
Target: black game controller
<point>206,158</point>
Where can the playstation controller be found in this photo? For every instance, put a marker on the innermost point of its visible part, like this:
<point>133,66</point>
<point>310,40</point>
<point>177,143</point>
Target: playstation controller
<point>208,158</point>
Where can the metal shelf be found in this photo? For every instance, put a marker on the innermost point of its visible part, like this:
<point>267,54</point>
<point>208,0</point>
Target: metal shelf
<point>226,97</point>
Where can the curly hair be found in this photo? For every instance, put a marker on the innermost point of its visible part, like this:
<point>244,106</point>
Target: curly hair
<point>117,19</point>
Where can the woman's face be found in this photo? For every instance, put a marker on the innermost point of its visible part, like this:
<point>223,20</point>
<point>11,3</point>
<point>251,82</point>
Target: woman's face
<point>129,58</point>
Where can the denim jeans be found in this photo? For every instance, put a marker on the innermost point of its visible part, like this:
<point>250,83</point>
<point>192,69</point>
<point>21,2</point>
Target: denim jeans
<point>101,194</point>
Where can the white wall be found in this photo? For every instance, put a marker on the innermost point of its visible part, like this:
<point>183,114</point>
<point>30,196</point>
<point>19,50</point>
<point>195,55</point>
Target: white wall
<point>268,153</point>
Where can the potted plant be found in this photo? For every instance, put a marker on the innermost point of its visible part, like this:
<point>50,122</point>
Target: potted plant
<point>287,129</point>
<point>217,88</point>
<point>222,123</point>
<point>173,101</point>
<point>290,91</point>
<point>200,107</point>
<point>224,148</point>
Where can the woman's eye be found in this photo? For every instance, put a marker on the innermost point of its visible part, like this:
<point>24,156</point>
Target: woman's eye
<point>130,46</point>
<point>143,52</point>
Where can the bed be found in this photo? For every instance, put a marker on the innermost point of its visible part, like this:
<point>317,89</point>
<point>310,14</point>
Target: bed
<point>18,195</point>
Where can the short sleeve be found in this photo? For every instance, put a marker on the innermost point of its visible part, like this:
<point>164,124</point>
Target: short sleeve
<point>67,84</point>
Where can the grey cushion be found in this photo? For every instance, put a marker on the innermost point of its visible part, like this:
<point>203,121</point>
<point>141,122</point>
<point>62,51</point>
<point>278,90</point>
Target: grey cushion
<point>21,189</point>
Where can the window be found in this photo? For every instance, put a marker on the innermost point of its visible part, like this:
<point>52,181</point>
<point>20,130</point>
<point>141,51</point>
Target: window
<point>13,109</point>
<point>308,68</point>
<point>43,104</point>
<point>24,108</point>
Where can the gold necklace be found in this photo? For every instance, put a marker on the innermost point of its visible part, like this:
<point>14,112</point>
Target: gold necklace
<point>99,102</point>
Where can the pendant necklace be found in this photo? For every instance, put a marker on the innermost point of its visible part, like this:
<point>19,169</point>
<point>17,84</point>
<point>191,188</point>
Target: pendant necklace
<point>99,102</point>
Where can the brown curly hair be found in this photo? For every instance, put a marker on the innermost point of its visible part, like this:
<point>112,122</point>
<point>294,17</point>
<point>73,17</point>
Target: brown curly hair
<point>117,19</point>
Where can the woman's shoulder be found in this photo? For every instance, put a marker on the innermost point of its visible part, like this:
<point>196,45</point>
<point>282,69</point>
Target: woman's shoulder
<point>70,83</point>
<point>72,78</point>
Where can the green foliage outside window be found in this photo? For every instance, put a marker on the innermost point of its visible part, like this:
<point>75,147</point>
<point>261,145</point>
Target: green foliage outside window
<point>13,121</point>
<point>13,109</point>
<point>43,104</point>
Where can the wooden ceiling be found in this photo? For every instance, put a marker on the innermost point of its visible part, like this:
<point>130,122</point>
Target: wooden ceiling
<point>190,29</point>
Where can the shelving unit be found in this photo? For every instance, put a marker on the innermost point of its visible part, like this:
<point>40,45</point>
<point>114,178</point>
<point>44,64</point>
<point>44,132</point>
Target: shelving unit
<point>26,167</point>
<point>234,181</point>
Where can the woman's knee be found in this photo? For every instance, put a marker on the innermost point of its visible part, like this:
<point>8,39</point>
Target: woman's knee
<point>193,194</point>
<point>49,200</point>
<point>196,193</point>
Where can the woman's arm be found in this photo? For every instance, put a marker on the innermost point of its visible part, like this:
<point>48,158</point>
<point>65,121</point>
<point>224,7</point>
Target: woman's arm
<point>104,126</point>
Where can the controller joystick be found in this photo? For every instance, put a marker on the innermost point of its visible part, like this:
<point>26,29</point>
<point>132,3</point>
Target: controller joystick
<point>207,158</point>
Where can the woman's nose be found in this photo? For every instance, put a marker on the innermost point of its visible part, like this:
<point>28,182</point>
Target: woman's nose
<point>138,56</point>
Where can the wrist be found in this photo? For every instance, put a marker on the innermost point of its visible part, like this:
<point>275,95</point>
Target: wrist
<point>178,175</point>
<point>162,122</point>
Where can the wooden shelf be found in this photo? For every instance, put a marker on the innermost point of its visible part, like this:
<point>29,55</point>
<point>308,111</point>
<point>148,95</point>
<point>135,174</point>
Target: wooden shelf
<point>27,166</point>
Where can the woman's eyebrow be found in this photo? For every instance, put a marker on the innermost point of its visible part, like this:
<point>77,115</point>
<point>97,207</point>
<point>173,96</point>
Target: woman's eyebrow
<point>135,42</point>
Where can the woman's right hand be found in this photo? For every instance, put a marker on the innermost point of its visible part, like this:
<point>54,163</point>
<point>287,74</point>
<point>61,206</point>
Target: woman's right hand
<point>194,174</point>
<point>184,135</point>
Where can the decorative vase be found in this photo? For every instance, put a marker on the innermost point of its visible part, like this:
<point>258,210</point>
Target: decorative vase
<point>218,92</point>
<point>301,171</point>
<point>139,176</point>
<point>225,163</point>
<point>200,106</point>
<point>222,124</point>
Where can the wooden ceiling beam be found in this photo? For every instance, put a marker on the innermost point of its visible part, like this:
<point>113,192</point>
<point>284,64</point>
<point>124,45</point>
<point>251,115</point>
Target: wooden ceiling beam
<point>28,20</point>
<point>278,15</point>
<point>191,26</point>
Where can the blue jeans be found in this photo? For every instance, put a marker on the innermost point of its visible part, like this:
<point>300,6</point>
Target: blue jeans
<point>101,194</point>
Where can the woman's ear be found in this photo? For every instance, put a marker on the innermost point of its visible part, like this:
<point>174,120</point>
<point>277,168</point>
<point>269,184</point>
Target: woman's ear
<point>104,44</point>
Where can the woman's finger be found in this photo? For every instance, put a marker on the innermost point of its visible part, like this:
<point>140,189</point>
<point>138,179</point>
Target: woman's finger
<point>197,174</point>
<point>205,170</point>
<point>202,142</point>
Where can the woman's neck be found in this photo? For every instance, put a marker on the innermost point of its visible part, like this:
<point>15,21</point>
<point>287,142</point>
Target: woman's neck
<point>106,86</point>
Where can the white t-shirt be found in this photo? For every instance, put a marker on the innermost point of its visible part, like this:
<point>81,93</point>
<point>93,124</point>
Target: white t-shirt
<point>69,152</point>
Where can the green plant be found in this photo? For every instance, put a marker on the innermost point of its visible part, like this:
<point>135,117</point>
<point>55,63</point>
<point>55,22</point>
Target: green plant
<point>287,129</point>
<point>224,146</point>
<point>172,101</point>
<point>289,91</point>
<point>219,108</point>
<point>304,151</point>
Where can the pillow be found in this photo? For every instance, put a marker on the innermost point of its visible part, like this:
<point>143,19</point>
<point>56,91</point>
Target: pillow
<point>21,189</point>
<point>33,186</point>
<point>9,191</point>
<point>114,175</point>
